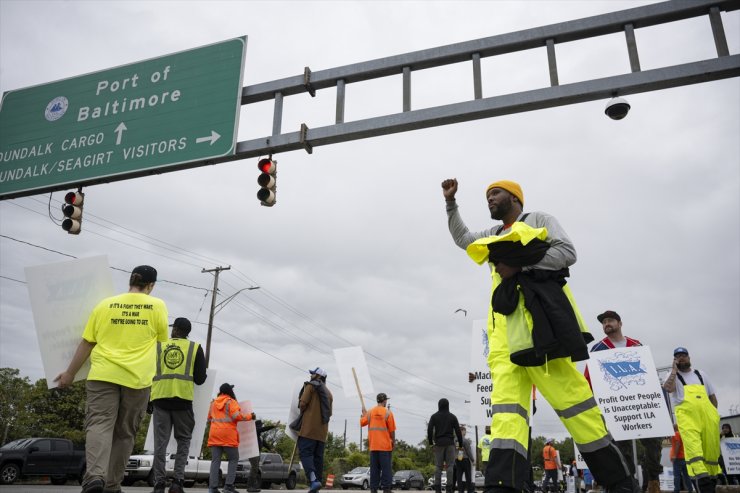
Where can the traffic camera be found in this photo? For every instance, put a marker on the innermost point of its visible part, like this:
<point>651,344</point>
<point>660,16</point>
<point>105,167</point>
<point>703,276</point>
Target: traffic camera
<point>267,181</point>
<point>72,210</point>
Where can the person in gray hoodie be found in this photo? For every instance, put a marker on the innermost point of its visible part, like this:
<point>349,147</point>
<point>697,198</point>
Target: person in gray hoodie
<point>442,425</point>
<point>465,465</point>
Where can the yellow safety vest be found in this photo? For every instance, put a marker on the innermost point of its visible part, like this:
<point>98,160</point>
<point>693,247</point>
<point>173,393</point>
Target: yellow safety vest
<point>175,366</point>
<point>519,323</point>
<point>485,447</point>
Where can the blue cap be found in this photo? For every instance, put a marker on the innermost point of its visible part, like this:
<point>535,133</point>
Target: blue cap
<point>680,350</point>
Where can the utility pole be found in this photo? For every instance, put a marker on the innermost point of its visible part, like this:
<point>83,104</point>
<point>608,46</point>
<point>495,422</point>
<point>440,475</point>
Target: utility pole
<point>216,272</point>
<point>345,435</point>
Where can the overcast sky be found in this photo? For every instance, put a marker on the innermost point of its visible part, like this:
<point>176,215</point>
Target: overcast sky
<point>356,251</point>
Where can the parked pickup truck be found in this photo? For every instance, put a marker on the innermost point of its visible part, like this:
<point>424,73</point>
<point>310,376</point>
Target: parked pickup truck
<point>139,468</point>
<point>53,457</point>
<point>272,470</point>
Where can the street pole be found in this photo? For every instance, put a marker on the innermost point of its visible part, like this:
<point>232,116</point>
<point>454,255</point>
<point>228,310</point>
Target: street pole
<point>216,272</point>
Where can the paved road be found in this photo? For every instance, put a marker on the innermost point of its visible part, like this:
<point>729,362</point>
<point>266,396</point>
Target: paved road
<point>49,488</point>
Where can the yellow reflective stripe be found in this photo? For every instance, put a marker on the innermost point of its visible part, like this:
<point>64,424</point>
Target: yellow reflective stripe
<point>172,376</point>
<point>189,359</point>
<point>159,360</point>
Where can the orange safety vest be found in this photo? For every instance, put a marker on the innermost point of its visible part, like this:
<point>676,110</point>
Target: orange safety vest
<point>223,415</point>
<point>676,447</point>
<point>380,424</point>
<point>550,455</point>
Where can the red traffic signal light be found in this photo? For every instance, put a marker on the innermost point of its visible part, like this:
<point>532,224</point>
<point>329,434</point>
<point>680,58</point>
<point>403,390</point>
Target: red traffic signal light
<point>267,180</point>
<point>72,210</point>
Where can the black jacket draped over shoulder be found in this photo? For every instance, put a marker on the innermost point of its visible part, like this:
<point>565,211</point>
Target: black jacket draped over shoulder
<point>556,332</point>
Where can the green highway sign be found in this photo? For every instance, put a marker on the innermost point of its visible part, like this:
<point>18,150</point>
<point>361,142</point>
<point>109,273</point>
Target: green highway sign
<point>161,114</point>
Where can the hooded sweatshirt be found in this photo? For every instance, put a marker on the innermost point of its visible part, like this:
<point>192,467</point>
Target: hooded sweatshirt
<point>442,424</point>
<point>223,415</point>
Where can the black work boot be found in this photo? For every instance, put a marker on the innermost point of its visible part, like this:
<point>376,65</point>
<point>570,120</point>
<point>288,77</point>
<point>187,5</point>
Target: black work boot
<point>627,485</point>
<point>176,486</point>
<point>706,485</point>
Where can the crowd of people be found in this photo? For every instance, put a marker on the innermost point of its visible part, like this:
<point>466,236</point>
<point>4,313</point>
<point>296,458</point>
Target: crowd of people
<point>535,335</point>
<point>135,367</point>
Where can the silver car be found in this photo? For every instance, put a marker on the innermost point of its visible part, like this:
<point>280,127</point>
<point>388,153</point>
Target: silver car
<point>430,482</point>
<point>359,477</point>
<point>480,480</point>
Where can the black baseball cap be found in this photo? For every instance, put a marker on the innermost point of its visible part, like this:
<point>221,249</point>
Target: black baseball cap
<point>609,314</point>
<point>680,350</point>
<point>382,397</point>
<point>147,272</point>
<point>182,324</point>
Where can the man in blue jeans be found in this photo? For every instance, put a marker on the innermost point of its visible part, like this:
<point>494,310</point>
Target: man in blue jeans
<point>315,403</point>
<point>680,472</point>
<point>381,437</point>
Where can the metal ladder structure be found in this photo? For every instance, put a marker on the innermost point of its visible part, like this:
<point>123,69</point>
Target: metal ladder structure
<point>548,37</point>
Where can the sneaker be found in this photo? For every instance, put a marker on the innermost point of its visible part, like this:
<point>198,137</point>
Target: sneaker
<point>315,486</point>
<point>176,486</point>
<point>253,489</point>
<point>97,485</point>
<point>229,488</point>
<point>159,488</point>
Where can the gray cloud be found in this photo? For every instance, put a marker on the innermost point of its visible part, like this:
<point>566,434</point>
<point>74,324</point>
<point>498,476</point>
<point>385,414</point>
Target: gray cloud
<point>356,248</point>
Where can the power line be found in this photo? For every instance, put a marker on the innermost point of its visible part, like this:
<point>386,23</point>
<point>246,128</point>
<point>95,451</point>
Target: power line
<point>267,292</point>
<point>320,326</point>
<point>37,246</point>
<point>291,364</point>
<point>11,279</point>
<point>112,268</point>
<point>171,247</point>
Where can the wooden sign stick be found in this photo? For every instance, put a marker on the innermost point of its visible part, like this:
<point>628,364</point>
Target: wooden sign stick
<point>359,392</point>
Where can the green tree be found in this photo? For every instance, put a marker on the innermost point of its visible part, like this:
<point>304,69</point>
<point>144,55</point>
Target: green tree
<point>567,452</point>
<point>357,459</point>
<point>58,413</point>
<point>13,409</point>
<point>141,435</point>
<point>538,444</point>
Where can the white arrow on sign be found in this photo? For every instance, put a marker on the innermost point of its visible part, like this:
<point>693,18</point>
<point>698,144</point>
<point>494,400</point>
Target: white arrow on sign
<point>119,130</point>
<point>213,138</point>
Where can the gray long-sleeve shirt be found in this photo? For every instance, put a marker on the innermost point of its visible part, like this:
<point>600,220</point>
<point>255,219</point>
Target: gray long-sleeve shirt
<point>560,255</point>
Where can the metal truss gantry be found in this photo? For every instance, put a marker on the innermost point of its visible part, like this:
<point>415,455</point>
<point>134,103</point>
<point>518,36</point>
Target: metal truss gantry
<point>548,37</point>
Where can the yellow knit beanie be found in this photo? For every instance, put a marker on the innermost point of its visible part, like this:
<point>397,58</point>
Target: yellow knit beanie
<point>510,186</point>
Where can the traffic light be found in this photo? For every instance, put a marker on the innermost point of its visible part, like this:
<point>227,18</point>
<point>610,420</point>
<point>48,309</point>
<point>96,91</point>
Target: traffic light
<point>267,181</point>
<point>72,210</point>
